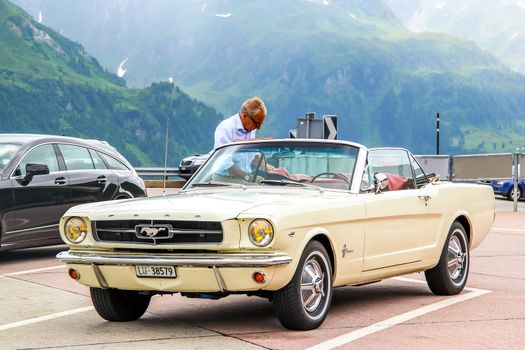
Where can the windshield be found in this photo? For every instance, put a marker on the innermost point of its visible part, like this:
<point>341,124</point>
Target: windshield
<point>7,152</point>
<point>280,163</point>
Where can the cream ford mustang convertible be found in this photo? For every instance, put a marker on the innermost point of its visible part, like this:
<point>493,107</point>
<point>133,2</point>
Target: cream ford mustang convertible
<point>287,220</point>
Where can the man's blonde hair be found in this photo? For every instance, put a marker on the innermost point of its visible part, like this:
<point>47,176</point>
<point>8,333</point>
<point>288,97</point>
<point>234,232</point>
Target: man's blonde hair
<point>252,106</point>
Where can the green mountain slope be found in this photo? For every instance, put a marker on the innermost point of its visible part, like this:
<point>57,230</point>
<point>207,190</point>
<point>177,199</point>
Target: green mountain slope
<point>352,58</point>
<point>49,84</point>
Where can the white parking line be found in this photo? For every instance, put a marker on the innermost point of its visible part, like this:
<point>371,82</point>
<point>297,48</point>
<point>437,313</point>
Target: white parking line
<point>44,318</point>
<point>363,332</point>
<point>513,230</point>
<point>32,271</point>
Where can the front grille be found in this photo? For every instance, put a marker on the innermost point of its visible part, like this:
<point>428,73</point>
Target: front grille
<point>180,231</point>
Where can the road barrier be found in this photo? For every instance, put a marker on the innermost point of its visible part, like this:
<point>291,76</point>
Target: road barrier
<point>161,177</point>
<point>476,167</point>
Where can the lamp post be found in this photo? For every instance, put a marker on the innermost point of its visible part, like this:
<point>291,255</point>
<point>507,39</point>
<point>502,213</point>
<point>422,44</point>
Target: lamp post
<point>437,133</point>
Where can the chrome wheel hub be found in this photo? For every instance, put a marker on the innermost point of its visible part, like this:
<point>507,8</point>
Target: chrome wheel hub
<point>457,257</point>
<point>312,285</point>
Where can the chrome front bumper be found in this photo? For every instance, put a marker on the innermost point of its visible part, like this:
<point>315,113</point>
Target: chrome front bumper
<point>223,260</point>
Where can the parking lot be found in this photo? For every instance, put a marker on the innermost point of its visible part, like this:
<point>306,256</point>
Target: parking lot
<point>42,308</point>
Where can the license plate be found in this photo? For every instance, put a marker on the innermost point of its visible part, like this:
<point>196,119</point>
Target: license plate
<point>155,271</point>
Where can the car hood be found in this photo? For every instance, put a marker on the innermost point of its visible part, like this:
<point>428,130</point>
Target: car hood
<point>209,205</point>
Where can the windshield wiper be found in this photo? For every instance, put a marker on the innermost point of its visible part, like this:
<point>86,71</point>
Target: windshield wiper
<point>216,184</point>
<point>285,183</point>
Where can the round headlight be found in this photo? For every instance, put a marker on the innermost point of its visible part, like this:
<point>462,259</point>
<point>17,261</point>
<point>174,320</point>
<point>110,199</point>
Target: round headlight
<point>75,230</point>
<point>260,232</point>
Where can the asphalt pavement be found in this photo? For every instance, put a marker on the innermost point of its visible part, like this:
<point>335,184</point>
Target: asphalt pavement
<point>42,308</point>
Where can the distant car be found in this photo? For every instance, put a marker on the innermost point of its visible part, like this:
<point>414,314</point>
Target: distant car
<point>41,176</point>
<point>505,188</point>
<point>189,165</point>
<point>287,220</point>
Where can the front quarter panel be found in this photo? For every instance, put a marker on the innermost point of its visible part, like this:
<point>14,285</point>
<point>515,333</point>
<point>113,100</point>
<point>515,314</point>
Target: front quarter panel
<point>337,223</point>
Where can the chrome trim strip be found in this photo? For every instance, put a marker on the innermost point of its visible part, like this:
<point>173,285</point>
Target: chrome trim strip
<point>116,230</point>
<point>220,280</point>
<point>33,228</point>
<point>395,265</point>
<point>100,278</point>
<point>213,232</point>
<point>223,260</point>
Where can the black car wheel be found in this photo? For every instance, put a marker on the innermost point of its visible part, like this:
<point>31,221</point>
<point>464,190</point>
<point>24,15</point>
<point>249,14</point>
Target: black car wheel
<point>450,274</point>
<point>119,305</point>
<point>304,302</point>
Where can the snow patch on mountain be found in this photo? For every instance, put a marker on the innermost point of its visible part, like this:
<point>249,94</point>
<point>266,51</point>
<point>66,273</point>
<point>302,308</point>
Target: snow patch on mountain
<point>121,71</point>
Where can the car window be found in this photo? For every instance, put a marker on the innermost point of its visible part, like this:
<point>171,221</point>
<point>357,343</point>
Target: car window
<point>324,165</point>
<point>113,163</point>
<point>367,182</point>
<point>395,164</point>
<point>76,157</point>
<point>44,154</point>
<point>421,177</point>
<point>97,160</point>
<point>7,152</point>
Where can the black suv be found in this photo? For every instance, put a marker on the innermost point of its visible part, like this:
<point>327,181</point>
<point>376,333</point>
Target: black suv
<point>41,176</point>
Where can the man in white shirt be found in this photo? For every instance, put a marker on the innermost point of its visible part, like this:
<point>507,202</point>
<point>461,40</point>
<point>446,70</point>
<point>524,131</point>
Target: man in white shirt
<point>241,126</point>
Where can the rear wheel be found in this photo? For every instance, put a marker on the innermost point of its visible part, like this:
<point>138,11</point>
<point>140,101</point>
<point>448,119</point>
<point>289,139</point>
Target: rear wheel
<point>119,305</point>
<point>450,274</point>
<point>510,195</point>
<point>304,302</point>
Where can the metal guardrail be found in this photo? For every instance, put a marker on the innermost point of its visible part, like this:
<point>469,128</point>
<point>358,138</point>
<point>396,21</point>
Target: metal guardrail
<point>158,172</point>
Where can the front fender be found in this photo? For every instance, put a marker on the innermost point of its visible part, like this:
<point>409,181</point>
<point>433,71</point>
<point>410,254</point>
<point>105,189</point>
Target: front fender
<point>285,273</point>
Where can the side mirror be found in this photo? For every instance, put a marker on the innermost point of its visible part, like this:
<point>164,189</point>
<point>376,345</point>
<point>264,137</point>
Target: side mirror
<point>380,182</point>
<point>33,169</point>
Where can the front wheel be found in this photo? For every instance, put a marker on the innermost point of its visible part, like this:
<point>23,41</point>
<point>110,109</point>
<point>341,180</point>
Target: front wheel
<point>119,305</point>
<point>450,274</point>
<point>304,302</point>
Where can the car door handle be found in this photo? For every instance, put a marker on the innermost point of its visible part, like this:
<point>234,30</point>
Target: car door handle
<point>60,181</point>
<point>425,197</point>
<point>101,179</point>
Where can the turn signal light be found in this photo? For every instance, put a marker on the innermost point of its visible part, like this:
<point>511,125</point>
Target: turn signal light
<point>259,277</point>
<point>74,274</point>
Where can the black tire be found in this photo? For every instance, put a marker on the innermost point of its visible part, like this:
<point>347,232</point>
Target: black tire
<point>293,311</point>
<point>119,305</point>
<point>509,195</point>
<point>449,276</point>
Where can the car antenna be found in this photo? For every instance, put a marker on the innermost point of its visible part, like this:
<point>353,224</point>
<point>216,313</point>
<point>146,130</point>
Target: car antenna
<point>165,160</point>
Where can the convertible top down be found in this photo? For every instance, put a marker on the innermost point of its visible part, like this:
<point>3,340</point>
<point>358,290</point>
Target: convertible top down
<point>287,220</point>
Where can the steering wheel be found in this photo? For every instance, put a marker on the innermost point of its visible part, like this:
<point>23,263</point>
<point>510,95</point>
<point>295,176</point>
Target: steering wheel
<point>334,175</point>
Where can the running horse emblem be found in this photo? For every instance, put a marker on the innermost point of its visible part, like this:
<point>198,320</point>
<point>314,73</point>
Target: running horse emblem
<point>151,231</point>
